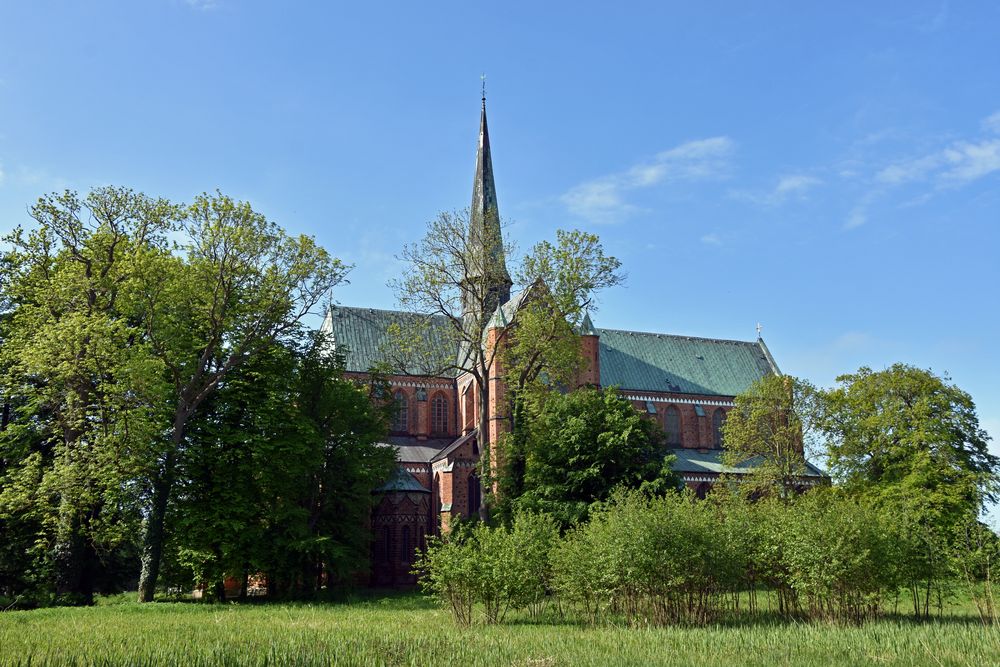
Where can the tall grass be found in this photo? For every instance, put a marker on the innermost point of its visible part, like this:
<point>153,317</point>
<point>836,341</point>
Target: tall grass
<point>409,630</point>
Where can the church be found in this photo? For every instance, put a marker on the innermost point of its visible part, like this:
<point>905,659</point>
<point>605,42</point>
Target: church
<point>685,384</point>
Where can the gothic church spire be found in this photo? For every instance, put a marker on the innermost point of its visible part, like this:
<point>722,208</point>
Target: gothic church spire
<point>485,237</point>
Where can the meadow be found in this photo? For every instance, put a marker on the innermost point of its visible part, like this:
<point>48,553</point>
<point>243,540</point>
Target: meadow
<point>412,630</point>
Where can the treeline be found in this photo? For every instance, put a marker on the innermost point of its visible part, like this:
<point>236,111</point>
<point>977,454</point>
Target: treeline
<point>606,536</point>
<point>167,420</point>
<point>674,559</point>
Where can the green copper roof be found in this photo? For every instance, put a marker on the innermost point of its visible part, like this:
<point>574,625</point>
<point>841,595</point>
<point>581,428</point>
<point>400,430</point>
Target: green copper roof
<point>401,481</point>
<point>362,334</point>
<point>629,359</point>
<point>710,461</point>
<point>681,364</point>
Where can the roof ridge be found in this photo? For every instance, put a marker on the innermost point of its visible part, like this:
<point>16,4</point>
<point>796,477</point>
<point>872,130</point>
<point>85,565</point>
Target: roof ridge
<point>657,333</point>
<point>385,310</point>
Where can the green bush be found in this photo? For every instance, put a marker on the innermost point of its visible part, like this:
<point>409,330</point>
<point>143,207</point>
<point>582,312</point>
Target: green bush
<point>499,568</point>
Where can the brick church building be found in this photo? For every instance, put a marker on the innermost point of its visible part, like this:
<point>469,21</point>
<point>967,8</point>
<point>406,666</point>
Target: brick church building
<point>685,384</point>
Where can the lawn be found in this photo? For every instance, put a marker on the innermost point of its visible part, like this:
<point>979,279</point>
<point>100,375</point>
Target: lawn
<point>410,630</point>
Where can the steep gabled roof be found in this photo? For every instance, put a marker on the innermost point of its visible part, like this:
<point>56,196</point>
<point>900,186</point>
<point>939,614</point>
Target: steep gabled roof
<point>681,364</point>
<point>362,334</point>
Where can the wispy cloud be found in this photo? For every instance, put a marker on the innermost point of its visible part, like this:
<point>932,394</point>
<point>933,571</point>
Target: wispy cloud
<point>950,166</point>
<point>202,5</point>
<point>791,186</point>
<point>958,163</point>
<point>2,175</point>
<point>857,217</point>
<point>934,22</point>
<point>604,199</point>
<point>992,123</point>
<point>711,239</point>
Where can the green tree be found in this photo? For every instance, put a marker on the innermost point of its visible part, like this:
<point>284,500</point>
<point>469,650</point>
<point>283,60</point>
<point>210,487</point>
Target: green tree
<point>541,348</point>
<point>277,475</point>
<point>452,275</point>
<point>910,441</point>
<point>238,284</point>
<point>765,432</point>
<point>906,429</point>
<point>583,444</point>
<point>81,386</point>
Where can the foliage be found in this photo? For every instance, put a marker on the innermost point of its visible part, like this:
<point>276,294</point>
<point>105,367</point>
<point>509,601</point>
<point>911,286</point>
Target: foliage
<point>129,321</point>
<point>301,523</point>
<point>456,275</point>
<point>910,442</point>
<point>654,560</point>
<point>905,431</point>
<point>582,445</point>
<point>82,387</point>
<point>542,347</point>
<point>239,285</point>
<point>497,567</point>
<point>767,427</point>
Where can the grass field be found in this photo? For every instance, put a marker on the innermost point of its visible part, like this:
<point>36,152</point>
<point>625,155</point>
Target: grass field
<point>409,630</point>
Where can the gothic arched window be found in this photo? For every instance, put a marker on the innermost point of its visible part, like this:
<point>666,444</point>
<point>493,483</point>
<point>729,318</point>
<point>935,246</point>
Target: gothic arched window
<point>401,418</point>
<point>385,545</point>
<point>407,555</point>
<point>475,495</point>
<point>718,419</point>
<point>439,415</point>
<point>672,425</point>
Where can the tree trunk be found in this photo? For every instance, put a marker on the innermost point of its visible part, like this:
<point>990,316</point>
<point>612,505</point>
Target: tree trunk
<point>152,538</point>
<point>72,559</point>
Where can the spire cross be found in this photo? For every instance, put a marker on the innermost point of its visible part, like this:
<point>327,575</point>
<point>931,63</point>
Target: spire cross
<point>759,327</point>
<point>482,77</point>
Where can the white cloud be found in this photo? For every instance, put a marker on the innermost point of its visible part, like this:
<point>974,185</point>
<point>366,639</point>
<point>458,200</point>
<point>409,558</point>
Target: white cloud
<point>603,199</point>
<point>970,161</point>
<point>711,239</point>
<point>908,170</point>
<point>958,163</point>
<point>202,5</point>
<point>792,184</point>
<point>992,123</point>
<point>788,187</point>
<point>857,217</point>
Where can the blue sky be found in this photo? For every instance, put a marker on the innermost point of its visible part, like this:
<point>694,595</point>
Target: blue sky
<point>832,172</point>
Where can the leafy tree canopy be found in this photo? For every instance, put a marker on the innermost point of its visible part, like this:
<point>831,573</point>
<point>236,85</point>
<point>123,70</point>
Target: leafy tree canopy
<point>581,445</point>
<point>909,434</point>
